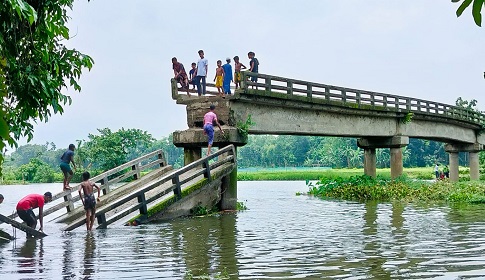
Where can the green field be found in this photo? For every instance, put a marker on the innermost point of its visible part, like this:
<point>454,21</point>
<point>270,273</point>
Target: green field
<point>298,174</point>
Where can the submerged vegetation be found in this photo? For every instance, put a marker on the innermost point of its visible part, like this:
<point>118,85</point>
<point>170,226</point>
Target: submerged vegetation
<point>365,188</point>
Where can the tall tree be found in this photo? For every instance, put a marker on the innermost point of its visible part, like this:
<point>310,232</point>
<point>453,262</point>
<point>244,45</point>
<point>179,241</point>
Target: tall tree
<point>35,65</point>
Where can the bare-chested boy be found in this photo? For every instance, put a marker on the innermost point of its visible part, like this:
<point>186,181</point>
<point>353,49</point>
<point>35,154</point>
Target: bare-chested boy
<point>219,77</point>
<point>88,199</point>
<point>237,71</point>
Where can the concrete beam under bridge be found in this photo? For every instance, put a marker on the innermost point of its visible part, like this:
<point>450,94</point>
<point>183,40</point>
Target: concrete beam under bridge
<point>372,143</point>
<point>472,149</point>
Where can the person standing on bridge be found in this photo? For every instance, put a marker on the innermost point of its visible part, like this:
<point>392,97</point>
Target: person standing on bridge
<point>209,119</point>
<point>226,84</point>
<point>88,199</point>
<point>202,68</point>
<point>238,66</point>
<point>253,66</point>
<point>65,166</point>
<point>26,205</point>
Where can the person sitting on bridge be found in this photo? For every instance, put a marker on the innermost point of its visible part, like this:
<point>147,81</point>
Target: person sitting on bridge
<point>32,201</point>
<point>180,75</point>
<point>88,199</point>
<point>65,166</point>
<point>210,118</point>
<point>1,198</point>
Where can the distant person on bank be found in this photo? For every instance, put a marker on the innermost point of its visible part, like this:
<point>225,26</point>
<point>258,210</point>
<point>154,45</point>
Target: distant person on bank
<point>437,171</point>
<point>209,119</point>
<point>66,159</point>
<point>88,199</point>
<point>27,204</point>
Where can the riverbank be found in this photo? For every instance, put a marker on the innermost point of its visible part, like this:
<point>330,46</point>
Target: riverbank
<point>279,174</point>
<point>364,188</point>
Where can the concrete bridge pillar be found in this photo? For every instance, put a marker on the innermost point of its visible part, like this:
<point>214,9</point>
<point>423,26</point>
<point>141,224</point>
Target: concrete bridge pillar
<point>474,166</point>
<point>396,162</point>
<point>472,149</point>
<point>395,143</point>
<point>370,162</point>
<point>192,154</point>
<point>453,158</point>
<point>229,189</point>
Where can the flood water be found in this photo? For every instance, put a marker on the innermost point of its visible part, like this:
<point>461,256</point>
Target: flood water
<point>281,236</point>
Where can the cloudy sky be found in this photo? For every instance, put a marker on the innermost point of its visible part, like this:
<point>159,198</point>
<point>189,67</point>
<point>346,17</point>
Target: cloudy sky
<point>411,48</point>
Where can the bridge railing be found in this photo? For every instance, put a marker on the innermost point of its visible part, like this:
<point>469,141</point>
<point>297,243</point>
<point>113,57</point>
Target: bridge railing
<point>204,166</point>
<point>106,179</point>
<point>357,98</point>
<point>211,89</point>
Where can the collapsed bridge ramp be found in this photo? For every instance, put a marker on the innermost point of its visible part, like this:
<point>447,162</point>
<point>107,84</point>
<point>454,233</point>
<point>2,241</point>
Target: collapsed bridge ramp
<point>165,190</point>
<point>113,183</point>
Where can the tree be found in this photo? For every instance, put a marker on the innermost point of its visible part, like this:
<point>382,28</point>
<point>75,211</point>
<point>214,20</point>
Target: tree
<point>476,9</point>
<point>111,149</point>
<point>34,65</point>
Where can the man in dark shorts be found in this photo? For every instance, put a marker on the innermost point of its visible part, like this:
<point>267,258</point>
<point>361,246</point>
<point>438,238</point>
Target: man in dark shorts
<point>1,198</point>
<point>88,199</point>
<point>65,166</point>
<point>27,204</point>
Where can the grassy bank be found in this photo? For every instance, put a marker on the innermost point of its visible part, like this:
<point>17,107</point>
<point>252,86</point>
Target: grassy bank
<point>422,173</point>
<point>364,188</point>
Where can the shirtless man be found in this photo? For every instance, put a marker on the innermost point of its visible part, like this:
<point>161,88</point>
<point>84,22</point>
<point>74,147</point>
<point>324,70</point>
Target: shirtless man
<point>237,71</point>
<point>88,199</point>
<point>219,77</point>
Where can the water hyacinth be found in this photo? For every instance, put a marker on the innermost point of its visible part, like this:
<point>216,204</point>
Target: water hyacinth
<point>365,188</point>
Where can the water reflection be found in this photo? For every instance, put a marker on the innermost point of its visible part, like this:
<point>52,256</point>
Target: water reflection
<point>28,262</point>
<point>89,257</point>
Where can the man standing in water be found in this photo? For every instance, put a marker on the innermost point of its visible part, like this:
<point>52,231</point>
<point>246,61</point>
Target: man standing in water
<point>66,159</point>
<point>202,65</point>
<point>209,118</point>
<point>27,204</point>
<point>88,199</point>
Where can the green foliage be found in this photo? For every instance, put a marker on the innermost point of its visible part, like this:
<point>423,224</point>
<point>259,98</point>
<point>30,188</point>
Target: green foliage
<point>35,65</point>
<point>36,171</point>
<point>243,127</point>
<point>476,9</point>
<point>365,188</point>
<point>241,206</point>
<point>407,118</point>
<point>111,149</point>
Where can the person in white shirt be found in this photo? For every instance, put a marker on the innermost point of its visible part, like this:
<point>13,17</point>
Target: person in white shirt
<point>201,71</point>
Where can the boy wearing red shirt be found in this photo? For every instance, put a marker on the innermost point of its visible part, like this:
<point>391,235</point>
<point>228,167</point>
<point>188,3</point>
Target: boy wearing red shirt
<point>32,201</point>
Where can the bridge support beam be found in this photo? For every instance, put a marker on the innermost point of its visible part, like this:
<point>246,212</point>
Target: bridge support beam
<point>192,154</point>
<point>370,162</point>
<point>472,149</point>
<point>395,143</point>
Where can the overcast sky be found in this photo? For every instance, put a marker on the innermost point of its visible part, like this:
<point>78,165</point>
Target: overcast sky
<point>410,48</point>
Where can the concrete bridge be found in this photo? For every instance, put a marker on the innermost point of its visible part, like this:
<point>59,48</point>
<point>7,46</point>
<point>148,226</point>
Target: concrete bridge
<point>282,106</point>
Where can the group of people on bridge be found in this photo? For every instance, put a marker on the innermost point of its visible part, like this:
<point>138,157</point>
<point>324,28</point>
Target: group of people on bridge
<point>223,77</point>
